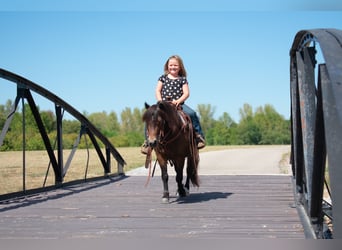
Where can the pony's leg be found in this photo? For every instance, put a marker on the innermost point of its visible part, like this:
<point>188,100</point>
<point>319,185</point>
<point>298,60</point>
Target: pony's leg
<point>187,182</point>
<point>165,179</point>
<point>179,179</point>
<point>187,185</point>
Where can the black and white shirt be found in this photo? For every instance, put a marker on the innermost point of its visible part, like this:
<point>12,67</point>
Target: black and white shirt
<point>172,88</point>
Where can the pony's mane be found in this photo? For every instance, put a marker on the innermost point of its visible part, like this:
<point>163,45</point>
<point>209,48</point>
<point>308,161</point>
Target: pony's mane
<point>169,113</point>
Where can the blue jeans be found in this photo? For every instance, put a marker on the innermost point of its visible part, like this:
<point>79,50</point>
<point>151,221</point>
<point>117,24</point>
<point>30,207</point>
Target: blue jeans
<point>194,118</point>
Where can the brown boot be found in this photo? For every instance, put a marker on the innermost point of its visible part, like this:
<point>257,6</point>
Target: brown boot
<point>144,148</point>
<point>200,141</point>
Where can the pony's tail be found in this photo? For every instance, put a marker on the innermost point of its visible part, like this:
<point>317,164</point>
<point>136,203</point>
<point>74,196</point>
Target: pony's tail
<point>193,170</point>
<point>193,160</point>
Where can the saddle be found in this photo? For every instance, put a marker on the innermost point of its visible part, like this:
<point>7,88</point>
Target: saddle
<point>184,117</point>
<point>186,120</point>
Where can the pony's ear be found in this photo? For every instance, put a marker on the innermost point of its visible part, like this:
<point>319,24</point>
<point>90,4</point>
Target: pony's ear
<point>146,105</point>
<point>161,104</point>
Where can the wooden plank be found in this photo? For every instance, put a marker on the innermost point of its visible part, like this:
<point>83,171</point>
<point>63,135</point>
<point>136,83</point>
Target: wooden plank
<point>223,207</point>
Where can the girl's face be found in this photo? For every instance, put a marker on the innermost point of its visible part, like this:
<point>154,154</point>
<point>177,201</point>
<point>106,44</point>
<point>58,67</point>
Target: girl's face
<point>173,67</point>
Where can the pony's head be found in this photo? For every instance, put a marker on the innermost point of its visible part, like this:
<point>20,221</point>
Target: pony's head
<point>160,119</point>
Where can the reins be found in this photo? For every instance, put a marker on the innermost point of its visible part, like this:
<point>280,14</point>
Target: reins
<point>148,164</point>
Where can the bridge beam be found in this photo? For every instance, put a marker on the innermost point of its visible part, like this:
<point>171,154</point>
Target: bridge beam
<point>55,165</point>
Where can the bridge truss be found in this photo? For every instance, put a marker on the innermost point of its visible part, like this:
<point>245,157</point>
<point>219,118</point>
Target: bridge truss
<point>316,124</point>
<point>24,88</point>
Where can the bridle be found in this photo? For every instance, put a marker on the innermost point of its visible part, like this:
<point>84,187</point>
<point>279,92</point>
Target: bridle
<point>164,139</point>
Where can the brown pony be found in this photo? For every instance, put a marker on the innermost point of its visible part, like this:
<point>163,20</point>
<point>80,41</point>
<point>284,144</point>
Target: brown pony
<point>170,134</point>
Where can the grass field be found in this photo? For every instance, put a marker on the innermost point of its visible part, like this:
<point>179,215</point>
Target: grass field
<point>39,173</point>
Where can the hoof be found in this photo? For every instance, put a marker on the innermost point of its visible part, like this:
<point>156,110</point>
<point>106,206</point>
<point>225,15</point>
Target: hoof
<point>165,200</point>
<point>183,192</point>
<point>187,191</point>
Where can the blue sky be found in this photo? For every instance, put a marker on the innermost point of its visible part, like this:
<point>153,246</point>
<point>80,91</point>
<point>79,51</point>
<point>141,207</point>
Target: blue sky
<point>108,57</point>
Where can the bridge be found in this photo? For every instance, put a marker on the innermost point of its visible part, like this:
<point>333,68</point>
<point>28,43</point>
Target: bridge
<point>302,204</point>
<point>227,204</point>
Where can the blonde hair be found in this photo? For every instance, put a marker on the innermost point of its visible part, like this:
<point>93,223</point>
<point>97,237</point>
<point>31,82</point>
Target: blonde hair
<point>182,71</point>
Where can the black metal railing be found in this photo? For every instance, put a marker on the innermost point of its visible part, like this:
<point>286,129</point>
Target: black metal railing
<point>24,88</point>
<point>316,124</point>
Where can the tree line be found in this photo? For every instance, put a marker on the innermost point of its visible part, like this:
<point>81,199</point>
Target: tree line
<point>262,126</point>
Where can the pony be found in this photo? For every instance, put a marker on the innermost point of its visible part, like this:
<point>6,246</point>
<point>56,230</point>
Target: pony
<point>169,132</point>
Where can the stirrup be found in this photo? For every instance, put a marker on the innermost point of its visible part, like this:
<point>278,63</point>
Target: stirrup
<point>144,148</point>
<point>200,141</point>
<point>200,145</point>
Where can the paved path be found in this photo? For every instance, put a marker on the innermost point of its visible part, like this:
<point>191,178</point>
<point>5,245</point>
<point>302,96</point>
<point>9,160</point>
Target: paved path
<point>254,160</point>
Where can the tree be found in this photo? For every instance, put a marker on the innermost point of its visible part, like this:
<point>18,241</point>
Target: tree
<point>265,126</point>
<point>221,133</point>
<point>4,112</point>
<point>274,128</point>
<point>248,131</point>
<point>138,124</point>
<point>49,120</point>
<point>71,126</point>
<point>206,114</point>
<point>246,112</point>
<point>114,125</point>
<point>132,126</point>
<point>107,124</point>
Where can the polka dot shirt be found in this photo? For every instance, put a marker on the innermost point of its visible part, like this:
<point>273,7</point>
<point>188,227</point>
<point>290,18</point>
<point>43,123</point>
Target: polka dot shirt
<point>172,87</point>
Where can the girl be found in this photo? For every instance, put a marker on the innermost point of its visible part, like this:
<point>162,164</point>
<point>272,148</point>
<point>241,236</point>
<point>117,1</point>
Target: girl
<point>173,86</point>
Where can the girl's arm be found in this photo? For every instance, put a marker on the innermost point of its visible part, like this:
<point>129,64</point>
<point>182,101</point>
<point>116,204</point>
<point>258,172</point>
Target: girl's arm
<point>186,94</point>
<point>158,91</point>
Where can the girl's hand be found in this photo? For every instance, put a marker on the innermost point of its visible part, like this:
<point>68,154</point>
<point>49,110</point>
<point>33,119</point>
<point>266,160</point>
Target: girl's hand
<point>176,102</point>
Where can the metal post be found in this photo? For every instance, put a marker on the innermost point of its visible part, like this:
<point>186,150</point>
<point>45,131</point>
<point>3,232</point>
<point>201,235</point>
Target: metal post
<point>59,139</point>
<point>107,168</point>
<point>24,143</point>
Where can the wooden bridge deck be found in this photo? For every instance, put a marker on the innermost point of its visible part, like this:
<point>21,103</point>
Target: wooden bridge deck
<point>224,207</point>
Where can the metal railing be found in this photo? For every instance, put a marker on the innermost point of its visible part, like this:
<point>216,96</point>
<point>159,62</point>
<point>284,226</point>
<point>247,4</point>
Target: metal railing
<point>24,88</point>
<point>316,124</point>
